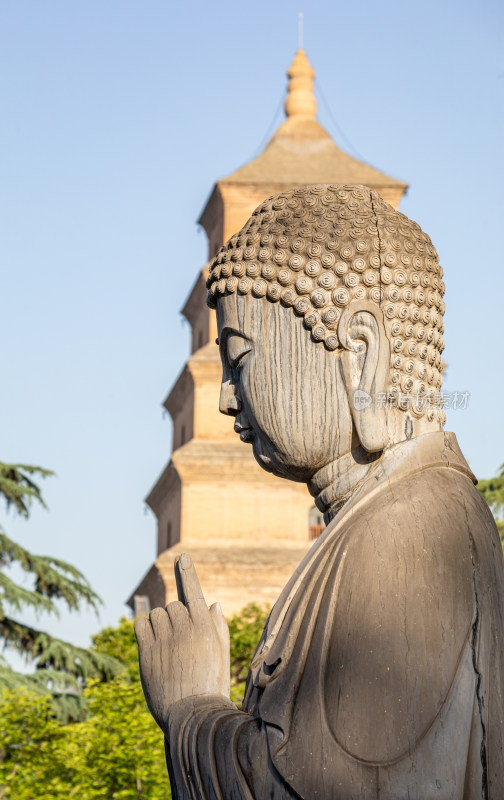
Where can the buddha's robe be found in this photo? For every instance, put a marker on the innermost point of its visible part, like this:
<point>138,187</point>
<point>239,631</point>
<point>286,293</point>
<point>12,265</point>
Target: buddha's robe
<point>380,672</point>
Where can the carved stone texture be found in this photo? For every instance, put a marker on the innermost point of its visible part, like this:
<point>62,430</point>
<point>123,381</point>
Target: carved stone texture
<point>380,672</point>
<point>318,249</point>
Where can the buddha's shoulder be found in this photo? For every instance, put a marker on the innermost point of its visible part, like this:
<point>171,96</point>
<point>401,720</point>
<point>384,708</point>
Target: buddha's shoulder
<point>424,522</point>
<point>434,502</point>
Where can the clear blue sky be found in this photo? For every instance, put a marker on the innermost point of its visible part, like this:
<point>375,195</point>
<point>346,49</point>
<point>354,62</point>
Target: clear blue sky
<point>116,119</point>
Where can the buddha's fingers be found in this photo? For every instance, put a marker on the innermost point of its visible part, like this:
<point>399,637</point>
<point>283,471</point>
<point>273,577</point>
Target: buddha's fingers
<point>220,623</point>
<point>180,621</point>
<point>161,625</point>
<point>188,586</point>
<point>143,632</point>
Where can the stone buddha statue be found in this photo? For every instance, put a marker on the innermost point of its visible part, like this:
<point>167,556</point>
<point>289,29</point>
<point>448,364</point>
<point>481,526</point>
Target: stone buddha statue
<point>380,671</point>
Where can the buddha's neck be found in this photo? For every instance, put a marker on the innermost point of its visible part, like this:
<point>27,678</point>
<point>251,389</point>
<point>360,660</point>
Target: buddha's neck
<point>333,485</point>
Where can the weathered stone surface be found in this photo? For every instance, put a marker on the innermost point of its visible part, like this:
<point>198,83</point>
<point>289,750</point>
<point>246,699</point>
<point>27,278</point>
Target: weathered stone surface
<point>380,672</point>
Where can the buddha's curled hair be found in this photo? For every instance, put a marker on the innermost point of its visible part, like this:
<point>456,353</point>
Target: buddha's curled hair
<point>318,248</point>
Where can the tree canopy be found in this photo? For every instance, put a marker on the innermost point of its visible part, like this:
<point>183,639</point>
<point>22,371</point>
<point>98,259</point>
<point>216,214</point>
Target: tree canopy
<point>492,490</point>
<point>117,751</point>
<point>60,668</point>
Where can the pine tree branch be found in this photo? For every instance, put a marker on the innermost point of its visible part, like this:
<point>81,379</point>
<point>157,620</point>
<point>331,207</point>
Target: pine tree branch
<point>17,597</point>
<point>17,487</point>
<point>67,704</point>
<point>61,669</point>
<point>44,682</point>
<point>54,578</point>
<point>50,653</point>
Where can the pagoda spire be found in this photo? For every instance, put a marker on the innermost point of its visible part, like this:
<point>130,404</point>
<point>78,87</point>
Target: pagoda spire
<point>300,101</point>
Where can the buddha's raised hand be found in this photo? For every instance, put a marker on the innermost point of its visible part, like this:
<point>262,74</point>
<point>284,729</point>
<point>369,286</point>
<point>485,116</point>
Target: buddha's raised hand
<point>183,649</point>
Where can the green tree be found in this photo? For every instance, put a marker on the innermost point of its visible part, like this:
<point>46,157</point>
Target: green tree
<point>117,752</point>
<point>119,643</point>
<point>492,490</point>
<point>32,747</point>
<point>60,668</point>
<point>245,630</point>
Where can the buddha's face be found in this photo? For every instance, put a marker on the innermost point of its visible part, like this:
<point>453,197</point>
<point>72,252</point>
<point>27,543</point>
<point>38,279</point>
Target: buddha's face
<point>285,391</point>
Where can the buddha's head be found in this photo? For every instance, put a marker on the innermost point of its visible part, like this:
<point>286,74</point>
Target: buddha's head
<point>330,318</point>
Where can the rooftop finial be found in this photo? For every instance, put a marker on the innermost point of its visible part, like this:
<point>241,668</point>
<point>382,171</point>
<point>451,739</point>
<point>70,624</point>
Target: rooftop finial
<point>300,30</point>
<point>300,100</point>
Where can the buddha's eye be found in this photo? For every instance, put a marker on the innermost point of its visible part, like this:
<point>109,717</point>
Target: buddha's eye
<point>237,348</point>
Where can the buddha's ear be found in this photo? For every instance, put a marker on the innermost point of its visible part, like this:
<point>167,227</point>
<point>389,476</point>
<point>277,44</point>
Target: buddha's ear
<point>365,361</point>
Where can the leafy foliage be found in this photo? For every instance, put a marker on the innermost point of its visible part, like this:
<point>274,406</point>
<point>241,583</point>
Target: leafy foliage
<point>61,668</point>
<point>30,749</point>
<point>117,752</point>
<point>245,630</point>
<point>492,490</point>
<point>119,643</point>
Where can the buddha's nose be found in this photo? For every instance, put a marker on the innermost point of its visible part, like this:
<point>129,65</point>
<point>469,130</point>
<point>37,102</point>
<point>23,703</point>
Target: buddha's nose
<point>229,402</point>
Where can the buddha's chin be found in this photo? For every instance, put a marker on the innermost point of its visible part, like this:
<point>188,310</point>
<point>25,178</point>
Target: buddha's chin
<point>264,462</point>
<point>260,456</point>
<point>274,463</point>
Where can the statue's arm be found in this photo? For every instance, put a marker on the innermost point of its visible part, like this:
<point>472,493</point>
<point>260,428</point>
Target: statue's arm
<point>213,751</point>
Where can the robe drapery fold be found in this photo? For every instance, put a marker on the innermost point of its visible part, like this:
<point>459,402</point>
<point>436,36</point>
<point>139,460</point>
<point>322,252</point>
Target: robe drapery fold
<point>380,672</point>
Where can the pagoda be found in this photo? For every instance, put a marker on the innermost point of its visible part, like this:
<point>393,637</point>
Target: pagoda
<point>245,529</point>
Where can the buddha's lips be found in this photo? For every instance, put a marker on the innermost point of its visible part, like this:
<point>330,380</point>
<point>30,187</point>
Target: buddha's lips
<point>246,434</point>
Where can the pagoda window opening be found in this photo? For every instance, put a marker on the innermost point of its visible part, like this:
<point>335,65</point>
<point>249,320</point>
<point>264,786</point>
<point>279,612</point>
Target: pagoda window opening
<point>315,523</point>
